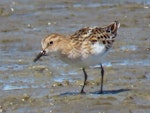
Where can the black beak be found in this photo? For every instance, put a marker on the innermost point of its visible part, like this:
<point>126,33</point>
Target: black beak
<point>42,53</point>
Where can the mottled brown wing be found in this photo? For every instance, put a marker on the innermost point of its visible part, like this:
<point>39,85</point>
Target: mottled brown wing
<point>105,35</point>
<point>81,34</point>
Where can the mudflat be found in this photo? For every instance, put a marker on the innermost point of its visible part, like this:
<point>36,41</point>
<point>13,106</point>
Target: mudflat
<point>50,85</point>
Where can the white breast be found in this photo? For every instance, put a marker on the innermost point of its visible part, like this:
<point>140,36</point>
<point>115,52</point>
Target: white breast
<point>98,48</point>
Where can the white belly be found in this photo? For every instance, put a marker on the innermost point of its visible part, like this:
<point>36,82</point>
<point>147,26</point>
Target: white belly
<point>92,59</point>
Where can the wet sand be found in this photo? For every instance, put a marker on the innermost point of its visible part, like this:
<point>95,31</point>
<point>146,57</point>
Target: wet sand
<point>51,86</point>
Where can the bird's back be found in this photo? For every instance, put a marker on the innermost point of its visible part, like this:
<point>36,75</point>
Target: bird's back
<point>96,39</point>
<point>104,35</point>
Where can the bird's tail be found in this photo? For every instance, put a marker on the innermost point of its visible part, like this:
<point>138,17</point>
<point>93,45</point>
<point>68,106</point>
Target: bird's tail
<point>113,27</point>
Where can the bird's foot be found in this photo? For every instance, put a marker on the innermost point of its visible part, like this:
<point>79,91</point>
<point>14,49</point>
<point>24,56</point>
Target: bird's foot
<point>82,92</point>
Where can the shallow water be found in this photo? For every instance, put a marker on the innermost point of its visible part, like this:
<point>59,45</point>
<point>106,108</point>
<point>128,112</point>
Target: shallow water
<point>48,84</point>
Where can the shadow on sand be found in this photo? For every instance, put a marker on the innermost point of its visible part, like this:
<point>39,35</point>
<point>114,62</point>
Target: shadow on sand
<point>96,92</point>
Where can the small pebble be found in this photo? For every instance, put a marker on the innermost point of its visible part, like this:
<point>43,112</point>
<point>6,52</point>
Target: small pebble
<point>29,26</point>
<point>12,9</point>
<point>146,7</point>
<point>1,110</point>
<point>49,23</point>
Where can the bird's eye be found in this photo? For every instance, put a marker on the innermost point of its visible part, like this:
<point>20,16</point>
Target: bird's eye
<point>51,42</point>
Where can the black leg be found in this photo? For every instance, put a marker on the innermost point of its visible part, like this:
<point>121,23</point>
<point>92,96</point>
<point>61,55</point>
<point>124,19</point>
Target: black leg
<point>102,74</point>
<point>85,78</point>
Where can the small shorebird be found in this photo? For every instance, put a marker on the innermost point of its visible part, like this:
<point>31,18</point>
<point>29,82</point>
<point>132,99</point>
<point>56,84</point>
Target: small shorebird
<point>83,48</point>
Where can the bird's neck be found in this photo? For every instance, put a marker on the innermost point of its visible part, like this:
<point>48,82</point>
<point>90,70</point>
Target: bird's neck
<point>65,45</point>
